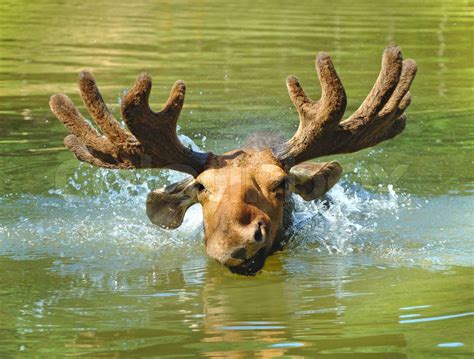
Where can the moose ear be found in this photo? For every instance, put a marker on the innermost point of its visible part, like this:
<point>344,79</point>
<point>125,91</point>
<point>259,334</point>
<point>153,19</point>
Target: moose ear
<point>167,206</point>
<point>312,180</point>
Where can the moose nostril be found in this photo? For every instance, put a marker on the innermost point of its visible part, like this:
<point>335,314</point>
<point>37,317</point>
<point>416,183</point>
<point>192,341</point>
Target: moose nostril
<point>239,254</point>
<point>260,232</point>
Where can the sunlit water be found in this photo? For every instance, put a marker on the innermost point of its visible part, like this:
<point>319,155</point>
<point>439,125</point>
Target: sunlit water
<point>381,268</point>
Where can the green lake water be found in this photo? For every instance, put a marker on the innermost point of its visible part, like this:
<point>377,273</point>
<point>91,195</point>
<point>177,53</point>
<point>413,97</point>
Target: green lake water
<point>385,272</point>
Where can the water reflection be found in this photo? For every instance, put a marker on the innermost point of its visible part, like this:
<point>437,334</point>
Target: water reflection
<point>280,312</point>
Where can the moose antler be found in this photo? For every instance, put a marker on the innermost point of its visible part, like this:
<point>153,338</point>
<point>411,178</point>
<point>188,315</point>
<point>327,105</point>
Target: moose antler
<point>379,118</point>
<point>152,141</point>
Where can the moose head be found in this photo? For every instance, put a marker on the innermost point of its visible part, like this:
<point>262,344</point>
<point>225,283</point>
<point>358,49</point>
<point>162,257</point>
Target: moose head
<point>244,192</point>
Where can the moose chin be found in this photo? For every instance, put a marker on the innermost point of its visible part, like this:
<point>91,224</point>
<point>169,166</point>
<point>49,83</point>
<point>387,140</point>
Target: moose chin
<point>245,193</point>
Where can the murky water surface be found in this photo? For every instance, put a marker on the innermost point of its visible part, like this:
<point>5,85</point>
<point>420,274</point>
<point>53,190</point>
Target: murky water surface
<point>386,271</point>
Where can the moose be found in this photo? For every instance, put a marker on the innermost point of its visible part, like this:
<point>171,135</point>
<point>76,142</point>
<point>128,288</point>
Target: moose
<point>245,193</point>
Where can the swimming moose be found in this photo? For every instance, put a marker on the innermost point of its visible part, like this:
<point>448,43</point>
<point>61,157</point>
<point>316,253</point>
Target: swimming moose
<point>244,193</point>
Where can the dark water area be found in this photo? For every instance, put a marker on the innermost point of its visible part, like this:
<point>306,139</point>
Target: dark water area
<point>386,271</point>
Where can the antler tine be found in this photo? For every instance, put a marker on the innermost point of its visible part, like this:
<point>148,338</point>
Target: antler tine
<point>384,85</point>
<point>406,78</point>
<point>136,101</point>
<point>314,115</point>
<point>379,118</point>
<point>100,113</point>
<point>333,95</point>
<point>79,128</point>
<point>87,154</point>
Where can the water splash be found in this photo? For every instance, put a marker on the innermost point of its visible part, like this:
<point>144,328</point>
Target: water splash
<point>99,219</point>
<point>346,220</point>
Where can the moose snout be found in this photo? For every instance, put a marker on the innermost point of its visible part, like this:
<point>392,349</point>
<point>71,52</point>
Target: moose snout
<point>238,236</point>
<point>254,237</point>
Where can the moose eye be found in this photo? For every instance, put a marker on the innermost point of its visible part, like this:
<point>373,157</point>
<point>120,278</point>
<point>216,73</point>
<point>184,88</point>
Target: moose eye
<point>200,187</point>
<point>281,185</point>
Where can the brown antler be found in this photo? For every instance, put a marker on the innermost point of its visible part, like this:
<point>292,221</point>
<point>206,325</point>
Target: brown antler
<point>152,143</point>
<point>379,118</point>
